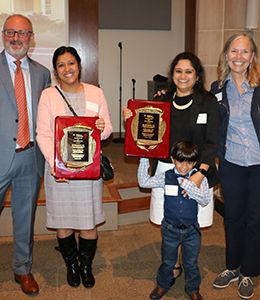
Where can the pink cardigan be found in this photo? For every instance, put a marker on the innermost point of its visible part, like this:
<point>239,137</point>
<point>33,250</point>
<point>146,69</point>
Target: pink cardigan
<point>52,105</point>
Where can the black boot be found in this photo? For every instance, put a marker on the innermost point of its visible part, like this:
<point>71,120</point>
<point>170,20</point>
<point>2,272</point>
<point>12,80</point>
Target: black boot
<point>87,250</point>
<point>69,251</point>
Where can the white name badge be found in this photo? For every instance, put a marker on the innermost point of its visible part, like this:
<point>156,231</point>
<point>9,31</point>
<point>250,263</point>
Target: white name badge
<point>171,190</point>
<point>202,118</point>
<point>92,106</point>
<point>219,96</point>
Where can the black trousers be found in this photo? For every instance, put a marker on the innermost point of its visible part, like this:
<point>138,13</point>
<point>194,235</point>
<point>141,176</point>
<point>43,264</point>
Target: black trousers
<point>241,191</point>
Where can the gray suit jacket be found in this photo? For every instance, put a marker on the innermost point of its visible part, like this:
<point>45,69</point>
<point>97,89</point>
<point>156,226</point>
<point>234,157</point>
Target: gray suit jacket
<point>40,79</point>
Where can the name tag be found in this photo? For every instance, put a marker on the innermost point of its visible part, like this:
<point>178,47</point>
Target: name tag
<point>219,96</point>
<point>171,190</point>
<point>202,118</point>
<point>92,106</point>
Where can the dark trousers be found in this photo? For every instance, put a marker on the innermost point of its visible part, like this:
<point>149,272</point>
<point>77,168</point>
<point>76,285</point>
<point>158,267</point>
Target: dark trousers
<point>241,191</point>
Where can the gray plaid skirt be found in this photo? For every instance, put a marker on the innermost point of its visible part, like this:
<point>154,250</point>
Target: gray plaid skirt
<point>73,205</point>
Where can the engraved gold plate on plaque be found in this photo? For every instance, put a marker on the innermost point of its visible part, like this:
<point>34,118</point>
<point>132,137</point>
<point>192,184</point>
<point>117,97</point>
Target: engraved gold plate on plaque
<point>77,148</point>
<point>148,127</point>
<point>147,131</point>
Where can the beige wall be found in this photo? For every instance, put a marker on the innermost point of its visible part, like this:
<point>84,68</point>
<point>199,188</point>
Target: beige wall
<point>216,21</point>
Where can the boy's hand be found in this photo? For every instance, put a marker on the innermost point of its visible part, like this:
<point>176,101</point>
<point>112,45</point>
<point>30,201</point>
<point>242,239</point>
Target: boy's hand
<point>185,194</point>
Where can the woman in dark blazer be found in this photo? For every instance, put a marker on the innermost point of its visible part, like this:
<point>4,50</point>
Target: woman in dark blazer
<point>238,93</point>
<point>194,118</point>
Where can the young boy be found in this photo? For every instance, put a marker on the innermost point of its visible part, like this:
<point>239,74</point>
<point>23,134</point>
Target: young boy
<point>180,224</point>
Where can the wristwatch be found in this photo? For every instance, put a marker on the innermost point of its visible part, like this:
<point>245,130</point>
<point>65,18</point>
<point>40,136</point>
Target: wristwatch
<point>203,171</point>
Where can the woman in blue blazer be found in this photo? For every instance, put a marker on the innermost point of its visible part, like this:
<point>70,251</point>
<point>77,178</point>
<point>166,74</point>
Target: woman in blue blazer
<point>238,92</point>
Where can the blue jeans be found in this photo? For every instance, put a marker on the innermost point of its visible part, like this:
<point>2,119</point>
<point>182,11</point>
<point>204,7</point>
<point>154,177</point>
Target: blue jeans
<point>190,239</point>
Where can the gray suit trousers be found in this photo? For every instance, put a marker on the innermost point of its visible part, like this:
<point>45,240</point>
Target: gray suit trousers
<point>25,182</point>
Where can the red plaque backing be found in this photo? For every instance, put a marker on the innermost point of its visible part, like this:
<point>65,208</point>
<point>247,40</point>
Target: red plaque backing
<point>143,138</point>
<point>77,148</point>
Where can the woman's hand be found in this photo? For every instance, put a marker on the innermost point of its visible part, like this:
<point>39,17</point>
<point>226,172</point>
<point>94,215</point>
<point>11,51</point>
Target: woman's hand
<point>159,93</point>
<point>100,123</point>
<point>58,179</point>
<point>197,178</point>
<point>127,113</point>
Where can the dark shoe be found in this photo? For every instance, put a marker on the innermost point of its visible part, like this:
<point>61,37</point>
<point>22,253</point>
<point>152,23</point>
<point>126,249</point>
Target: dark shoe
<point>226,277</point>
<point>87,250</point>
<point>157,293</point>
<point>245,287</point>
<point>177,271</point>
<point>28,284</point>
<point>87,277</point>
<point>73,277</point>
<point>195,296</point>
<point>69,251</point>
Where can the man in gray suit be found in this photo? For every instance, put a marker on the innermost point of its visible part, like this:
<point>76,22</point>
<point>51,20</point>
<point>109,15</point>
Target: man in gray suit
<point>20,168</point>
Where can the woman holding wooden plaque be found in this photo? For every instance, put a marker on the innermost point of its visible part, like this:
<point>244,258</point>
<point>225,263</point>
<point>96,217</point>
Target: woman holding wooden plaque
<point>194,118</point>
<point>72,204</point>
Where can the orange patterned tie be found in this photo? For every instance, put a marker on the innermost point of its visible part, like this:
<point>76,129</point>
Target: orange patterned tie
<point>23,136</point>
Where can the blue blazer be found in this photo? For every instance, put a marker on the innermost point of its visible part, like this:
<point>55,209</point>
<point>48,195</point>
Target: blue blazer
<point>40,79</point>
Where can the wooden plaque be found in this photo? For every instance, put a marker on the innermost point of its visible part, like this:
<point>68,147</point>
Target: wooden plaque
<point>148,130</point>
<point>77,148</point>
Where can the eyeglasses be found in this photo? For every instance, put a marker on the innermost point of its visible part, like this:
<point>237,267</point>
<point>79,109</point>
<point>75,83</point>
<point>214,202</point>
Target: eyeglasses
<point>20,33</point>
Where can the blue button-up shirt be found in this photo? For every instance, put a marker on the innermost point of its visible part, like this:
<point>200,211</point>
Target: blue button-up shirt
<point>27,81</point>
<point>242,147</point>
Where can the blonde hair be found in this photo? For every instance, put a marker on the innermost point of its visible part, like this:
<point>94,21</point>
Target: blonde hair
<point>253,71</point>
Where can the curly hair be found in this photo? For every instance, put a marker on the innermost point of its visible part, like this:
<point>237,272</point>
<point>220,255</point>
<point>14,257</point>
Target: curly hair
<point>196,64</point>
<point>253,71</point>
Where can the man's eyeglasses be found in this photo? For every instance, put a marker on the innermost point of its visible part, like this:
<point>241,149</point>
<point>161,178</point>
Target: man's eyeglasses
<point>20,33</point>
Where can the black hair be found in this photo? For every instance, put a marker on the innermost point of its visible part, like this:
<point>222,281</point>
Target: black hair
<point>185,151</point>
<point>196,64</point>
<point>62,50</point>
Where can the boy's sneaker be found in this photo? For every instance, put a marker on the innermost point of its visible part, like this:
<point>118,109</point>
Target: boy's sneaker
<point>245,287</point>
<point>225,278</point>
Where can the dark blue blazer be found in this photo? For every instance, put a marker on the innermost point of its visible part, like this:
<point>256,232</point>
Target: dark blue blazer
<point>224,112</point>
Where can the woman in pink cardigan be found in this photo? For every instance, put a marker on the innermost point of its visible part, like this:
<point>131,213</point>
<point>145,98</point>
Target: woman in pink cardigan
<point>75,204</point>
